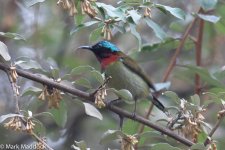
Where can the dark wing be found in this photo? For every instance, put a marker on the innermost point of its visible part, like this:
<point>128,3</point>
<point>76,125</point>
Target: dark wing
<point>133,66</point>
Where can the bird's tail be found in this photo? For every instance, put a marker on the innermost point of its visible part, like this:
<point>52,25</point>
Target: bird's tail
<point>158,104</point>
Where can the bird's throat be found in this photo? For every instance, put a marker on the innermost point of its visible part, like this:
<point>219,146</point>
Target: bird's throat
<point>105,62</point>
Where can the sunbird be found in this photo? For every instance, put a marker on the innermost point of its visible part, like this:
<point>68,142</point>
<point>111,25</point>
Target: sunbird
<point>125,72</point>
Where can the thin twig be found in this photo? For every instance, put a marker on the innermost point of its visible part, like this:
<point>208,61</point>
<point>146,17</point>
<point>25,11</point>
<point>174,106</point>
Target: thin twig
<point>102,85</point>
<point>171,66</point>
<point>218,122</point>
<point>17,109</point>
<point>198,51</point>
<point>48,82</point>
<point>85,95</point>
<point>40,140</point>
<point>141,127</point>
<point>14,86</point>
<point>173,60</point>
<point>150,124</point>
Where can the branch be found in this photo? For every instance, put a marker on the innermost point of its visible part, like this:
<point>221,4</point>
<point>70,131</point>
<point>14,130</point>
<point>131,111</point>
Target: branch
<point>88,96</point>
<point>198,53</point>
<point>173,60</point>
<point>218,122</point>
<point>40,140</point>
<point>141,127</point>
<point>14,89</point>
<point>150,124</point>
<point>170,67</point>
<point>48,82</point>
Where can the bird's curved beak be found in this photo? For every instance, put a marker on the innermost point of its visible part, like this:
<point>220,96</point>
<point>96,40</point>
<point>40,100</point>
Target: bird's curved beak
<point>85,47</point>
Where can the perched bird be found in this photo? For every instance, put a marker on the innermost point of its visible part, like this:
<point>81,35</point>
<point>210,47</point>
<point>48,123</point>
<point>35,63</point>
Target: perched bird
<point>125,72</point>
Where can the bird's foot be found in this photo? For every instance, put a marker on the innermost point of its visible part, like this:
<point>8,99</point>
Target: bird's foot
<point>121,122</point>
<point>167,113</point>
<point>115,101</point>
<point>133,114</point>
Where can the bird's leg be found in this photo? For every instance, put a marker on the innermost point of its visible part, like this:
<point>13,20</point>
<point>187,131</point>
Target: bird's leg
<point>135,107</point>
<point>121,122</point>
<point>114,101</point>
<point>121,117</point>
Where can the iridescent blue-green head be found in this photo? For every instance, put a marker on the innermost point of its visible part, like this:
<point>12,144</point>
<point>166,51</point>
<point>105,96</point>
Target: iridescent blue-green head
<point>105,51</point>
<point>102,49</point>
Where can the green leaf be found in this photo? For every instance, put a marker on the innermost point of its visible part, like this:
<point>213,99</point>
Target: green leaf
<point>83,82</point>
<point>30,3</point>
<point>198,146</point>
<point>111,135</point>
<point>79,17</point>
<point>169,43</point>
<point>46,114</point>
<point>4,52</point>
<point>206,127</point>
<point>120,28</point>
<point>163,146</point>
<point>202,136</point>
<point>124,95</point>
<point>98,76</point>
<point>4,117</point>
<point>39,127</point>
<point>95,35</point>
<point>177,12</point>
<point>207,4</point>
<point>60,115</point>
<point>205,75</point>
<point>220,75</point>
<point>151,135</point>
<point>156,28</point>
<point>195,99</point>
<point>27,63</point>
<point>136,34</point>
<point>112,11</point>
<point>173,96</point>
<point>31,91</point>
<point>86,24</point>
<point>210,18</point>
<point>81,70</point>
<point>14,36</point>
<point>135,16</point>
<point>92,111</point>
<point>177,26</point>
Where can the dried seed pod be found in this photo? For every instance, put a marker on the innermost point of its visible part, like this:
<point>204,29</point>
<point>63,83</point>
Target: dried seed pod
<point>29,126</point>
<point>88,9</point>
<point>13,74</point>
<point>40,145</point>
<point>103,29</point>
<point>100,97</point>
<point>147,12</point>
<point>14,124</point>
<point>68,4</point>
<point>42,96</point>
<point>128,142</point>
<point>214,147</point>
